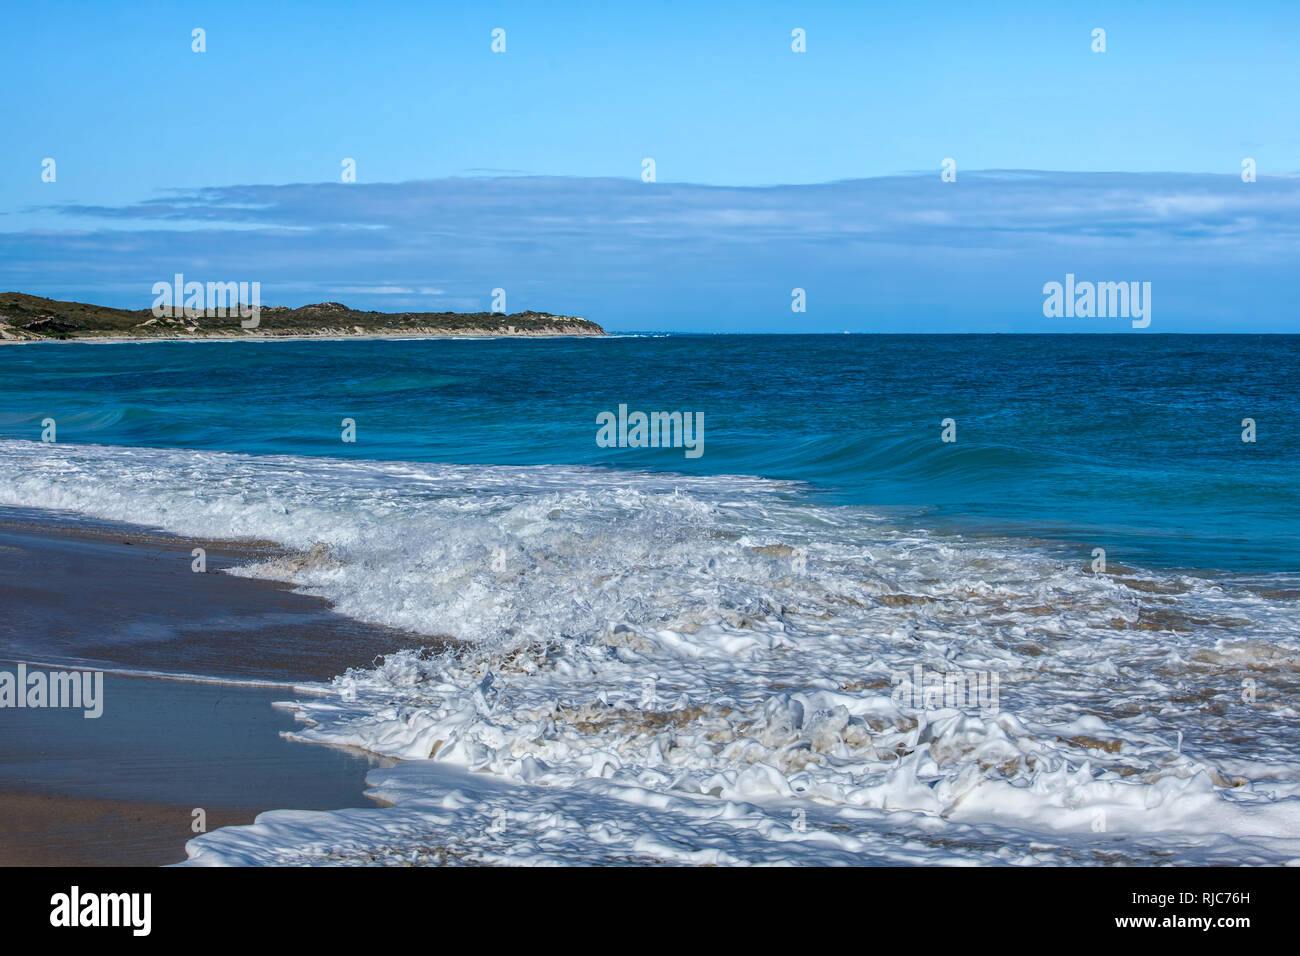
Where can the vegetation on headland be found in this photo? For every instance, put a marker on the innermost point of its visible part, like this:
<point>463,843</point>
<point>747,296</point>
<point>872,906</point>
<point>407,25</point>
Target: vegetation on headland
<point>33,318</point>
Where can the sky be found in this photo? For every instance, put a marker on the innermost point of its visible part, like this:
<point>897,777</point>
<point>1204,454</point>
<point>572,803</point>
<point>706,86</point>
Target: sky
<point>774,170</point>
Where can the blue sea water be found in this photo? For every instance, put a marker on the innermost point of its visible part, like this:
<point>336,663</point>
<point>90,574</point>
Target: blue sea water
<point>1130,443</point>
<point>659,657</point>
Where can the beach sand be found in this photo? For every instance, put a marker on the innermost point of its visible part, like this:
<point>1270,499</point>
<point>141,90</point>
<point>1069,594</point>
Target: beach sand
<point>306,337</point>
<point>42,829</point>
<point>117,596</point>
<point>121,789</point>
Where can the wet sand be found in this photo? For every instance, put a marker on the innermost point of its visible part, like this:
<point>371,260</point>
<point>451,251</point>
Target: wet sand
<point>122,789</point>
<point>42,829</point>
<point>117,596</point>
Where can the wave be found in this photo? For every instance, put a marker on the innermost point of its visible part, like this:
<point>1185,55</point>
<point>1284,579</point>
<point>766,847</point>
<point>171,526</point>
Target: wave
<point>682,668</point>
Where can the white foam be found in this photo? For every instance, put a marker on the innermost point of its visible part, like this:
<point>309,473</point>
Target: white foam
<point>685,669</point>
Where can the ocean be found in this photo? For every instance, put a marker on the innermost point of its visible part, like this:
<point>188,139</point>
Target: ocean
<point>1069,634</point>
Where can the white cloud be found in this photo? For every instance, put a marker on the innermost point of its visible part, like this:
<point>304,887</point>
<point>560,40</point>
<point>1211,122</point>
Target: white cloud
<point>375,289</point>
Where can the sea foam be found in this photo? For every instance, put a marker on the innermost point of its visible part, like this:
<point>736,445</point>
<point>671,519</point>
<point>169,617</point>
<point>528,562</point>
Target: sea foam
<point>612,666</point>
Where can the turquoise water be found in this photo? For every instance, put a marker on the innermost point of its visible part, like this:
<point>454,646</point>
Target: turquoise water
<point>1131,443</point>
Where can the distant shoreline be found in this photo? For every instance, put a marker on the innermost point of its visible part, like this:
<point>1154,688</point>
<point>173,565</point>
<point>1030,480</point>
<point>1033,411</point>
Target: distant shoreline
<point>30,318</point>
<point>300,337</point>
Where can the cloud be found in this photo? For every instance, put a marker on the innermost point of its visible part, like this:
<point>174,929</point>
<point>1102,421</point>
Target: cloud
<point>375,289</point>
<point>918,209</point>
<point>956,254</point>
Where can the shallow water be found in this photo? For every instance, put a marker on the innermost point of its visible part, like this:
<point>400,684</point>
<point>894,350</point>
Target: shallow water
<point>184,744</point>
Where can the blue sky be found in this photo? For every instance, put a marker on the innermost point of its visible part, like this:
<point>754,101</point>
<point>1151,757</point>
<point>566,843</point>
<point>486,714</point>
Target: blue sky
<point>152,140</point>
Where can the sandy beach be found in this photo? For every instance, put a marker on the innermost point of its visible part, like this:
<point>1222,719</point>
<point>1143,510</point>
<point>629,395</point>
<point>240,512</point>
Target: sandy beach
<point>116,596</point>
<point>122,789</point>
<point>44,829</point>
<point>324,337</point>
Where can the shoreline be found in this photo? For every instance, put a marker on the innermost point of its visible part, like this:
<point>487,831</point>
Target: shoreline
<point>27,318</point>
<point>309,337</point>
<point>121,789</point>
<point>129,788</point>
<point>45,829</point>
<point>141,608</point>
